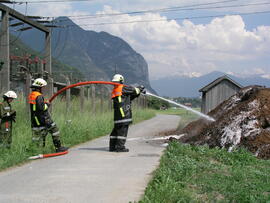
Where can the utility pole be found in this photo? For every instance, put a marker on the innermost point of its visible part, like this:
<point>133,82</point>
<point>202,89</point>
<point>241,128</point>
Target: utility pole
<point>48,67</point>
<point>4,53</point>
<point>8,12</point>
<point>68,97</point>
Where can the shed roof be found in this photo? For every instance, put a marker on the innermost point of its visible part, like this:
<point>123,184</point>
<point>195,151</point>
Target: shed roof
<point>218,80</point>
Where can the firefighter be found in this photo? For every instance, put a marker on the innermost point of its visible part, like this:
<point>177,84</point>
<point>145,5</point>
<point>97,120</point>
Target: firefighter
<point>122,97</point>
<point>7,117</point>
<point>42,124</point>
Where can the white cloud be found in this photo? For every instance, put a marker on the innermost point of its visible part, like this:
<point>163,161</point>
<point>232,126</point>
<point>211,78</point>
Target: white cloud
<point>131,5</point>
<point>179,48</point>
<point>259,71</point>
<point>267,76</point>
<point>50,9</point>
<point>171,48</point>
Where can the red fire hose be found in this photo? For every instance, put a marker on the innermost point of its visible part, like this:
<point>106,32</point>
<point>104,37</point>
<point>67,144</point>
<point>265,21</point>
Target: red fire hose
<point>81,84</point>
<point>41,156</point>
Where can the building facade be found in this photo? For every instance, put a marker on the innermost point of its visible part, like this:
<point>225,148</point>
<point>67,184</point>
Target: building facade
<point>218,91</point>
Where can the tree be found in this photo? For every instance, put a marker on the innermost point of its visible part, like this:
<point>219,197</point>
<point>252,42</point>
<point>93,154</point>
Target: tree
<point>157,103</point>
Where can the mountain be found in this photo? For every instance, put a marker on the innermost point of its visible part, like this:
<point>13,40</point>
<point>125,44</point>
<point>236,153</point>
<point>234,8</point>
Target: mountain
<point>98,55</point>
<point>189,87</point>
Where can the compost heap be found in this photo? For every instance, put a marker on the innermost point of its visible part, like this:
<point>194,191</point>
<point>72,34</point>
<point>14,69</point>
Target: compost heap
<point>241,121</point>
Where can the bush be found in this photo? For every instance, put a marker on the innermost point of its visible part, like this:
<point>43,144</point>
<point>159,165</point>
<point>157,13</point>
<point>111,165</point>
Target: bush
<point>156,103</point>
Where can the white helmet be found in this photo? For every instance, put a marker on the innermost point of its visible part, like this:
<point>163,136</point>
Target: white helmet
<point>118,78</point>
<point>39,82</point>
<point>11,94</point>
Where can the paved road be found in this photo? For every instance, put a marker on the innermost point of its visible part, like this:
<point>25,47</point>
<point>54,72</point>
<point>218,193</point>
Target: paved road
<point>90,173</point>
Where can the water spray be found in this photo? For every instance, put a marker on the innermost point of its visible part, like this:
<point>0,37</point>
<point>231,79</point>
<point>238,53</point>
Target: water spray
<point>147,93</point>
<point>183,106</point>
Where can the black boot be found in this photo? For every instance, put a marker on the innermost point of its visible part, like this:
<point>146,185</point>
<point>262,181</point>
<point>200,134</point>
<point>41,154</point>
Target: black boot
<point>122,149</point>
<point>61,149</point>
<point>58,147</point>
<point>112,145</point>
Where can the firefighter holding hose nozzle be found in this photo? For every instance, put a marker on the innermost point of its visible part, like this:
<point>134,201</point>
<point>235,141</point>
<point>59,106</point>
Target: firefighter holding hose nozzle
<point>122,97</point>
<point>42,124</point>
<point>7,117</point>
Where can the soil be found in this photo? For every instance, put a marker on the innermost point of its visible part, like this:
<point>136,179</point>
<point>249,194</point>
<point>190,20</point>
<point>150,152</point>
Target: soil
<point>241,121</point>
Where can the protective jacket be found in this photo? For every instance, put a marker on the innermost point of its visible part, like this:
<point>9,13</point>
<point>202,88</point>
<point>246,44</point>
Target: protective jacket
<point>40,115</point>
<point>122,97</point>
<point>7,116</point>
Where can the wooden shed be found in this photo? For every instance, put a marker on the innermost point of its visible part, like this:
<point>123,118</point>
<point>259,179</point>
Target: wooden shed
<point>218,91</point>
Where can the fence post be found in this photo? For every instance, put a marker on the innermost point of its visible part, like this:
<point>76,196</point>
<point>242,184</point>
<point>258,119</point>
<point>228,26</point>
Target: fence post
<point>81,98</point>
<point>68,97</point>
<point>93,95</point>
<point>145,101</point>
<point>102,110</point>
<point>110,102</point>
<point>88,93</point>
<point>27,91</point>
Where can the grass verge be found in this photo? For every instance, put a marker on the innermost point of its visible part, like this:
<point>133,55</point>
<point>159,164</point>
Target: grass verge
<point>199,174</point>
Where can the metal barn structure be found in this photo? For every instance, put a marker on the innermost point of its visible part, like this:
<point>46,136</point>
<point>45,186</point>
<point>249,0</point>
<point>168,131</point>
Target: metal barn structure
<point>218,91</point>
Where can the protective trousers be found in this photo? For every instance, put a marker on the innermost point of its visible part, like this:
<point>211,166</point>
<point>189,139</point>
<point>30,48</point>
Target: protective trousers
<point>39,135</point>
<point>118,137</point>
<point>5,134</point>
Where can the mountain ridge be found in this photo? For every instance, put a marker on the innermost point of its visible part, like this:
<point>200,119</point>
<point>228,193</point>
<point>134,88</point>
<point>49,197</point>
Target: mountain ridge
<point>189,87</point>
<point>98,55</point>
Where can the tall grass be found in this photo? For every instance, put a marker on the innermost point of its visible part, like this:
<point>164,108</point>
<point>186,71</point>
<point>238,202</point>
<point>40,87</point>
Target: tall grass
<point>75,126</point>
<point>199,174</point>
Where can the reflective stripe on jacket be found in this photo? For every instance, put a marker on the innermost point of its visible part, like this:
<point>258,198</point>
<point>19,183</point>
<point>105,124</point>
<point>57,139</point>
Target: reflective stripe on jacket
<point>122,97</point>
<point>39,110</point>
<point>5,120</point>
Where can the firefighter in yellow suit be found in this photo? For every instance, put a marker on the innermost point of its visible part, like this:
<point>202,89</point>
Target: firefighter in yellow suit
<point>41,121</point>
<point>7,117</point>
<point>122,96</point>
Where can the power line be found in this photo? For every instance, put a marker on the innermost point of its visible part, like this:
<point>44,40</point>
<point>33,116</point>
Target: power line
<point>48,1</point>
<point>151,10</point>
<point>159,20</point>
<point>182,9</point>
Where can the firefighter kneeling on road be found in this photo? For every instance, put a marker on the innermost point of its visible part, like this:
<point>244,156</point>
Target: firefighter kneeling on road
<point>41,119</point>
<point>7,117</point>
<point>122,97</point>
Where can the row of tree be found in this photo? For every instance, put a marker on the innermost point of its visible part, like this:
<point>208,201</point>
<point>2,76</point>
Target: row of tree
<point>160,104</point>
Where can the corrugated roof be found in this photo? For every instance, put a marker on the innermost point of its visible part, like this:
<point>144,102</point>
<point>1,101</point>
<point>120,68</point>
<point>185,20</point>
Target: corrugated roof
<point>218,80</point>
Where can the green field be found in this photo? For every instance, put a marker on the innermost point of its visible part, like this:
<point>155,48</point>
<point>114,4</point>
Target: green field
<point>75,127</point>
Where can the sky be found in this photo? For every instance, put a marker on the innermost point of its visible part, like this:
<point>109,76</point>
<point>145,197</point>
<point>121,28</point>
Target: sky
<point>178,37</point>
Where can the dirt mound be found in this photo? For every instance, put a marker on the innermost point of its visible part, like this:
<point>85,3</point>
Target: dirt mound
<point>241,121</point>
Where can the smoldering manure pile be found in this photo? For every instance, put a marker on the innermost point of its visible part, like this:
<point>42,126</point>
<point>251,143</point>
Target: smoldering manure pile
<point>241,121</point>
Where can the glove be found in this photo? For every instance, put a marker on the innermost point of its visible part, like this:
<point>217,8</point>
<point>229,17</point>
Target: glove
<point>9,116</point>
<point>48,103</point>
<point>13,113</point>
<point>13,116</point>
<point>142,89</point>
